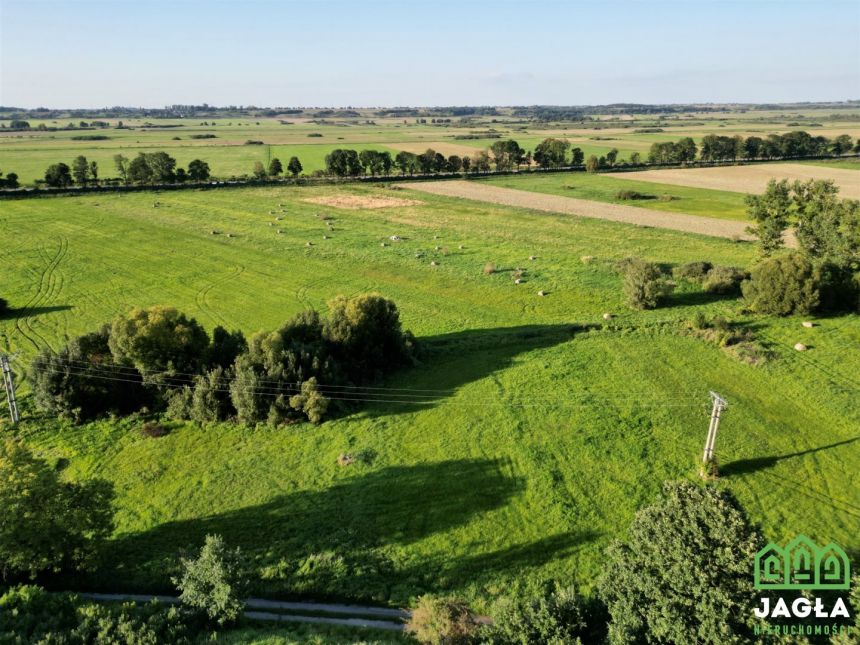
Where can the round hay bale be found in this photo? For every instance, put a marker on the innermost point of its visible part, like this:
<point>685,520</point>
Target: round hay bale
<point>541,293</point>
<point>278,219</point>
<point>325,237</point>
<point>271,212</point>
<point>394,238</point>
<point>800,347</point>
<point>229,235</point>
<point>344,459</point>
<point>213,232</point>
<point>419,255</point>
<point>280,205</point>
<point>532,257</point>
<point>271,223</point>
<point>383,244</point>
<point>434,264</point>
<point>587,259</point>
<point>437,248</point>
<point>279,231</point>
<point>461,247</point>
<point>518,281</point>
<point>309,244</point>
<point>435,237</point>
<point>607,316</point>
<point>808,324</point>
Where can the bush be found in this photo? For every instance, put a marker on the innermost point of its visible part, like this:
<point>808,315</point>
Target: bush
<point>692,271</point>
<point>644,284</point>
<point>48,524</point>
<point>555,616</point>
<point>212,582</point>
<point>310,401</point>
<point>722,279</point>
<point>631,195</point>
<point>788,284</point>
<point>683,574</point>
<point>153,430</point>
<point>438,621</point>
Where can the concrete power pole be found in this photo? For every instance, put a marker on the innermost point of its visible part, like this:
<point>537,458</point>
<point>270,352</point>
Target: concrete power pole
<point>9,385</point>
<point>720,404</point>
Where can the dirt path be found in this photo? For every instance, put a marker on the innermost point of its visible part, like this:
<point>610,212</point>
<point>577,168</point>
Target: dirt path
<point>480,191</point>
<point>748,179</point>
<point>348,615</point>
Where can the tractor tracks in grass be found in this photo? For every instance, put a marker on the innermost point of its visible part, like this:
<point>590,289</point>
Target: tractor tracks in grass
<point>202,296</point>
<point>49,284</point>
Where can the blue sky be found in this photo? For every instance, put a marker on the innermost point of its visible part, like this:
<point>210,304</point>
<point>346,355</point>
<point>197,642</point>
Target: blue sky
<point>366,53</point>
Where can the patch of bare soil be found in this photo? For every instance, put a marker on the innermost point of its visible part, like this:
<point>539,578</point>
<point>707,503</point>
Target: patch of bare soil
<point>356,202</point>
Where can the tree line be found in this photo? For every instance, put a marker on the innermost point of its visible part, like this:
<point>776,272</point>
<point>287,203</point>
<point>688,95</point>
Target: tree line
<point>501,156</point>
<point>162,360</point>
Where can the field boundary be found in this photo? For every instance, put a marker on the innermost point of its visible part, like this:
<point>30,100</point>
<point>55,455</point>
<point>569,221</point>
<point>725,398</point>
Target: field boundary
<point>23,193</point>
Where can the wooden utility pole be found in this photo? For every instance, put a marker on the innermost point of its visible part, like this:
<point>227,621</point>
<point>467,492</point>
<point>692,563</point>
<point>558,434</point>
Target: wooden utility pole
<point>720,404</point>
<point>9,385</point>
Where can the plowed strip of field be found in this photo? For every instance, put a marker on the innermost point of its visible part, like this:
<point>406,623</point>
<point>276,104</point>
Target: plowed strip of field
<point>445,147</point>
<point>482,192</point>
<point>748,179</point>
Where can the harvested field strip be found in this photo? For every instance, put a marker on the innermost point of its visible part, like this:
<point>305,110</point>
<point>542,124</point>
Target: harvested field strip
<point>585,208</point>
<point>749,179</point>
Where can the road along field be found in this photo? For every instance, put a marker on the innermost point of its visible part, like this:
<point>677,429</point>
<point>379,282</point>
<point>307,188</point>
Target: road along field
<point>749,179</point>
<point>480,191</point>
<point>539,430</point>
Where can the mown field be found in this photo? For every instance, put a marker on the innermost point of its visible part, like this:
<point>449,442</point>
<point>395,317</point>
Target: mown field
<point>536,428</point>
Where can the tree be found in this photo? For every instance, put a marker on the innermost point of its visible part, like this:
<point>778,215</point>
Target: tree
<point>213,582</point>
<point>783,285</point>
<point>577,157</point>
<point>121,164</point>
<point>259,170</point>
<point>81,170</point>
<point>683,574</point>
<point>310,401</point>
<point>11,180</point>
<point>644,283</point>
<point>506,154</point>
<point>753,147</point>
<point>139,170</point>
<point>455,163</point>
<point>71,383</point>
<point>685,150</point>
<point>58,175</point>
<point>162,166</point>
<point>551,153</point>
<point>611,156</point>
<point>467,163</point>
<point>827,228</point>
<point>294,166</point>
<point>343,163</point>
<point>481,161</point>
<point>635,158</point>
<point>592,165</point>
<point>48,524</point>
<point>771,212</point>
<point>198,170</point>
<point>94,172</point>
<point>556,615</point>
<point>275,167</point>
<point>158,339</point>
<point>841,144</point>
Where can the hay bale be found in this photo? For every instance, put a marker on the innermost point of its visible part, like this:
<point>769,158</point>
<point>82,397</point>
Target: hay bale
<point>808,324</point>
<point>434,264</point>
<point>419,255</point>
<point>394,238</point>
<point>229,235</point>
<point>278,219</point>
<point>279,231</point>
<point>280,205</point>
<point>800,347</point>
<point>532,257</point>
<point>325,237</point>
<point>345,459</point>
<point>309,244</point>
<point>437,248</point>
<point>541,293</point>
<point>271,212</point>
<point>461,247</point>
<point>383,245</point>
<point>607,316</point>
<point>518,281</point>
<point>435,237</point>
<point>587,259</point>
<point>213,232</point>
<point>271,223</point>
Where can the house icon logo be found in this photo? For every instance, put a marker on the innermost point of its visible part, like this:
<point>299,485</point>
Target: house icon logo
<point>802,564</point>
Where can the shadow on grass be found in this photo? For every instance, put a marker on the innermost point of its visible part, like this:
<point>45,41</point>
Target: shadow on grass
<point>755,464</point>
<point>344,540</point>
<point>450,361</point>
<point>29,312</point>
<point>696,298</point>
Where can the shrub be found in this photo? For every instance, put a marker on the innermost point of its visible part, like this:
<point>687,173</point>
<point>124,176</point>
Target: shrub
<point>439,621</point>
<point>783,285</point>
<point>48,524</point>
<point>692,271</point>
<point>153,430</point>
<point>210,400</point>
<point>644,284</point>
<point>310,401</point>
<point>630,194</point>
<point>212,582</point>
<point>722,279</point>
<point>683,574</point>
<point>555,616</point>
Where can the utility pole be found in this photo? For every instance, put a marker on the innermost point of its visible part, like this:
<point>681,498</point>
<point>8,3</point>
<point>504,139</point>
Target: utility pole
<point>720,404</point>
<point>9,384</point>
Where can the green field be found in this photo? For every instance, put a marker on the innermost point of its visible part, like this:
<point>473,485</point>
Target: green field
<point>539,431</point>
<point>29,153</point>
<point>605,188</point>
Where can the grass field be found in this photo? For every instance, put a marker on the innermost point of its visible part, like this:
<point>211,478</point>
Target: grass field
<point>605,188</point>
<point>545,430</point>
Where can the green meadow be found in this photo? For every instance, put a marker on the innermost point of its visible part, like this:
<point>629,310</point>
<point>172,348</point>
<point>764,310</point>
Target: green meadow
<point>515,450</point>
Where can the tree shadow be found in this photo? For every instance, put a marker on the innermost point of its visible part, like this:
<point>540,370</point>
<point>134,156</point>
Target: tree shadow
<point>334,542</point>
<point>450,361</point>
<point>698,297</point>
<point>755,464</point>
<point>29,312</point>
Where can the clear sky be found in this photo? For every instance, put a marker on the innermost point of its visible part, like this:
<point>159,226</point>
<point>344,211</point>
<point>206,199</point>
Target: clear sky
<point>80,53</point>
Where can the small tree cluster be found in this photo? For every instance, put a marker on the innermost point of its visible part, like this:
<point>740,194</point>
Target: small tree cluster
<point>212,583</point>
<point>645,284</point>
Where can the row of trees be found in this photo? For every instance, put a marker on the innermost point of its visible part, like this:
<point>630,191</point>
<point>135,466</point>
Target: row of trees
<point>160,359</point>
<point>145,168</point>
<point>776,146</point>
